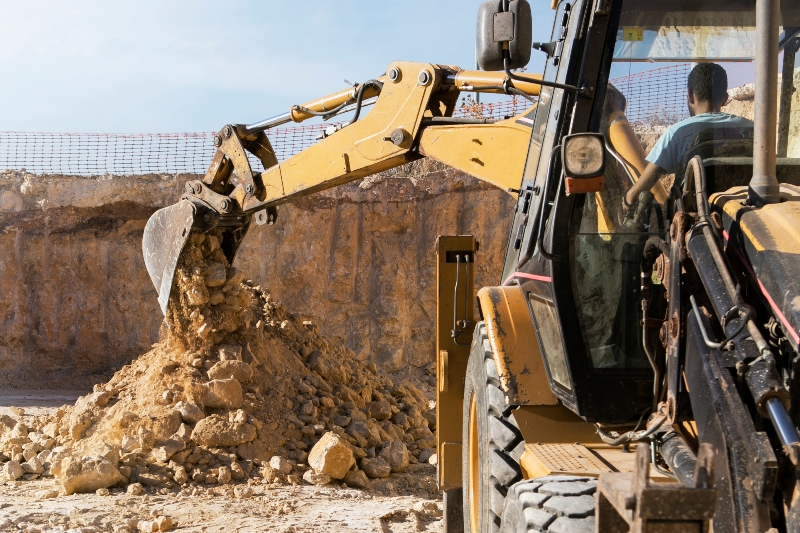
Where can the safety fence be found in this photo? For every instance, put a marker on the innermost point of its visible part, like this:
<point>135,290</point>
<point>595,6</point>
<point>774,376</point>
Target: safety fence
<point>655,97</point>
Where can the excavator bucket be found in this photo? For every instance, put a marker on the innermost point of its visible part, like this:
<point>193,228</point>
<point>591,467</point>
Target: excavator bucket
<point>168,230</point>
<point>165,235</point>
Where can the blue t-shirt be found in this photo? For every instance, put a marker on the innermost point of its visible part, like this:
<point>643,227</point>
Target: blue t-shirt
<point>668,153</point>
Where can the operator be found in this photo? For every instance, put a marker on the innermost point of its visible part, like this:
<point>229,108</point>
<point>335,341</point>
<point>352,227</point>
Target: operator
<point>707,89</point>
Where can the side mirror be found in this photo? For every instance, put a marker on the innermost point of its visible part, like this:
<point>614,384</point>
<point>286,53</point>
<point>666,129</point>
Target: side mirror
<point>504,27</point>
<point>584,159</point>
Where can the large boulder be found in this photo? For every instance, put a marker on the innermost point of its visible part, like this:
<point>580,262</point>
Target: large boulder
<point>218,431</point>
<point>86,474</point>
<point>223,394</point>
<point>331,456</point>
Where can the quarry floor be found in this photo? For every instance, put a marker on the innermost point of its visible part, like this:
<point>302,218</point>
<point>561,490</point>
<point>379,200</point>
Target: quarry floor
<point>406,502</point>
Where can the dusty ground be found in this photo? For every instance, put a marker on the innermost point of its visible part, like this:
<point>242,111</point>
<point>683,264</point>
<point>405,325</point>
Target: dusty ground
<point>285,509</point>
<point>402,503</point>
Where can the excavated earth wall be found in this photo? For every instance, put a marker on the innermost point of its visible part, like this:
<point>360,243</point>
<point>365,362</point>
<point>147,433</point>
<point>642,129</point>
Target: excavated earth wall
<point>358,261</point>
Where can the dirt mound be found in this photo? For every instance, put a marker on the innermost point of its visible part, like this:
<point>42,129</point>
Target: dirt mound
<point>238,389</point>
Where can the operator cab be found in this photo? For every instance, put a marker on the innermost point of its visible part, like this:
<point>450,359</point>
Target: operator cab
<point>609,237</point>
<point>589,247</point>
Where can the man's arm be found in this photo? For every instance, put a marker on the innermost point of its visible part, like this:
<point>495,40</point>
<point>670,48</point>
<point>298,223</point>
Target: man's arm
<point>652,173</point>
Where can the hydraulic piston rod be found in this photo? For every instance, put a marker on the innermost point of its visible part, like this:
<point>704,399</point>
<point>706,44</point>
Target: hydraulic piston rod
<point>764,187</point>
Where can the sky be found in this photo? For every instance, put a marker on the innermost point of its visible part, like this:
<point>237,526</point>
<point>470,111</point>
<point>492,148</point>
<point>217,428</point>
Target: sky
<point>148,66</point>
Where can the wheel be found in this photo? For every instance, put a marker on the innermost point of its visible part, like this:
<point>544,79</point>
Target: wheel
<point>492,442</point>
<point>555,504</point>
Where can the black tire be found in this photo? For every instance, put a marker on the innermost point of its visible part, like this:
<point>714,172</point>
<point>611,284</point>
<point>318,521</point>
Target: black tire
<point>499,443</point>
<point>553,504</point>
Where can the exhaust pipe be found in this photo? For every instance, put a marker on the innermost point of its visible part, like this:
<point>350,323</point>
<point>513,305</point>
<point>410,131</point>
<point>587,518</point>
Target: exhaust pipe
<point>764,187</point>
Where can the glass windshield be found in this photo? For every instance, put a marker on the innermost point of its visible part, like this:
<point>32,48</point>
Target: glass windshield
<point>681,84</point>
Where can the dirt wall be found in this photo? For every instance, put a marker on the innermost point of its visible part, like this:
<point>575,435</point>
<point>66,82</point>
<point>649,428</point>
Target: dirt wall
<point>77,302</point>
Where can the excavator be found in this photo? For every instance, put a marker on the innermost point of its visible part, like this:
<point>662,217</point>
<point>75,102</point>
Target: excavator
<point>636,366</point>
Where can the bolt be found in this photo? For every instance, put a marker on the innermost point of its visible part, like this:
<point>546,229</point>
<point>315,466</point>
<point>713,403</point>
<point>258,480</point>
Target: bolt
<point>227,131</point>
<point>224,204</point>
<point>249,189</point>
<point>194,187</point>
<point>217,141</point>
<point>424,78</point>
<point>398,136</point>
<point>394,74</point>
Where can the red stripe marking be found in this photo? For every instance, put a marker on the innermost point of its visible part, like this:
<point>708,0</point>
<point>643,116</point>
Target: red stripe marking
<point>771,302</point>
<point>534,277</point>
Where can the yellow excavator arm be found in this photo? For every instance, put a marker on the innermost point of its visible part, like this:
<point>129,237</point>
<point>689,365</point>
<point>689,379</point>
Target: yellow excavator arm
<point>412,118</point>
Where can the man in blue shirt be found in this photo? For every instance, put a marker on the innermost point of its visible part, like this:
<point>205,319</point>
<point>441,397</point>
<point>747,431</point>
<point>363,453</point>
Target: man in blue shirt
<point>707,93</point>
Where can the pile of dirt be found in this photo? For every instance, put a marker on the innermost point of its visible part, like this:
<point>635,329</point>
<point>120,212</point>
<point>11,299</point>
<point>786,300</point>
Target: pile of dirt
<point>238,390</point>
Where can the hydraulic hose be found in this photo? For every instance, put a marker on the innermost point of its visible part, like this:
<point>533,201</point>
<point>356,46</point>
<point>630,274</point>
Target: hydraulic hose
<point>360,96</point>
<point>630,436</point>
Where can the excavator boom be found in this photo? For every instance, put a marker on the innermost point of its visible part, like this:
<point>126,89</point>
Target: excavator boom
<point>412,118</point>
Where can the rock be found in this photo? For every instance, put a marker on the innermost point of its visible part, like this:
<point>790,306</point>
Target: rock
<point>181,476</point>
<point>17,411</point>
<point>396,454</point>
<point>229,352</point>
<point>331,456</point>
<point>428,509</point>
<point>376,468</point>
<point>102,492</point>
<point>294,479</point>
<point>425,454</point>
<point>218,431</point>
<point>328,367</point>
<point>359,430</point>
<point>268,473</point>
<point>190,413</point>
<point>315,478</point>
<point>147,526</point>
<point>30,450</point>
<point>381,410</point>
<point>242,491</point>
<point>33,466</point>
<point>197,296</point>
<point>134,489</point>
<point>13,470</point>
<point>163,453</point>
<point>280,464</point>
<point>87,474</point>
<point>152,479</point>
<point>357,479</point>
<point>164,523</point>
<point>223,394</point>
<point>215,274</point>
<point>238,370</point>
<point>224,475</point>
<point>434,459</point>
<point>6,423</point>
<point>97,449</point>
<point>45,494</point>
<point>401,419</point>
<point>130,444</point>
